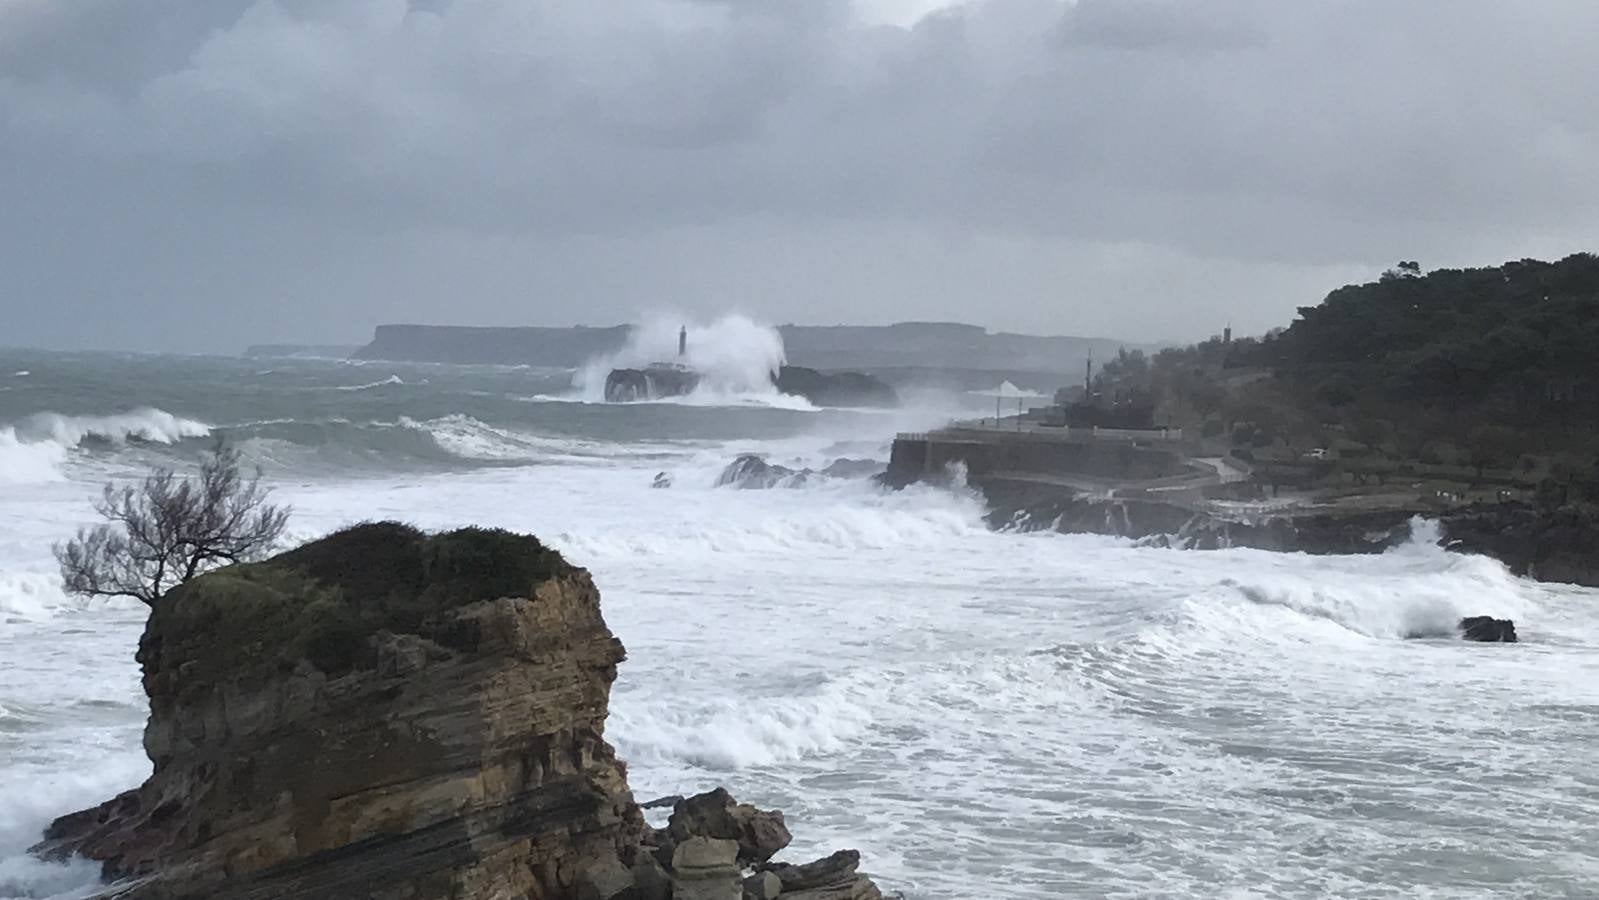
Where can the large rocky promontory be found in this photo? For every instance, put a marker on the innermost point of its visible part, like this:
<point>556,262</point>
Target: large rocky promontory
<point>1548,545</point>
<point>389,714</point>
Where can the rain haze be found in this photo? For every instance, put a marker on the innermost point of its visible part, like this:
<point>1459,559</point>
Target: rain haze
<point>195,175</point>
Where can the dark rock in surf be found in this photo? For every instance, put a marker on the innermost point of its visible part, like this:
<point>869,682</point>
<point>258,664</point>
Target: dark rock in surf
<point>1487,629</point>
<point>662,480</point>
<point>1547,545</point>
<point>835,388</point>
<point>652,383</point>
<point>752,472</point>
<point>852,468</point>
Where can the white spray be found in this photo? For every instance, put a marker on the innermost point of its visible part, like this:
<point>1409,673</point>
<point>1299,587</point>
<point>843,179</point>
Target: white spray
<point>735,357</point>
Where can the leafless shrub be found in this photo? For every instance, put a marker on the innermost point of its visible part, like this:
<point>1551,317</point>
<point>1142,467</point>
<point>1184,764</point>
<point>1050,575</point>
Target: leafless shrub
<point>168,529</point>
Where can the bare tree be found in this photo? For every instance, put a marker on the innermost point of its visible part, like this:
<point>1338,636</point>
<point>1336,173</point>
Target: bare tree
<point>169,529</point>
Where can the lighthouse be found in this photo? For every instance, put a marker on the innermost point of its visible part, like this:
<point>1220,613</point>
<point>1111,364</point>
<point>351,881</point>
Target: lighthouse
<point>682,342</point>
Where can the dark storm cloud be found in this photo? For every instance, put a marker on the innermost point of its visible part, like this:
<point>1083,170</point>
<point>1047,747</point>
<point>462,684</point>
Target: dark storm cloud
<point>1140,167</point>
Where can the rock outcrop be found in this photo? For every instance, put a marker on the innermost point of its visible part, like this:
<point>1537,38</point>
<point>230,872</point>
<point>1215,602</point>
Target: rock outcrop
<point>388,714</point>
<point>662,380</point>
<point>652,383</point>
<point>835,388</point>
<point>751,471</point>
<point>1488,629</point>
<point>1547,545</point>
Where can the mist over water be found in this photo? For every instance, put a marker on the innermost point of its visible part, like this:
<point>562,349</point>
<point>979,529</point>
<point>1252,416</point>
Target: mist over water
<point>982,714</point>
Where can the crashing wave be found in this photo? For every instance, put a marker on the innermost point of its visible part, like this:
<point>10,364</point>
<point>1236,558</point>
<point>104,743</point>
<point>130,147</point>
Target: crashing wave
<point>143,424</point>
<point>33,449</point>
<point>27,463</point>
<point>733,359</point>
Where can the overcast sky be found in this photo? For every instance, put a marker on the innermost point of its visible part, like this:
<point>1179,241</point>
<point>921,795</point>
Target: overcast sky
<point>203,174</point>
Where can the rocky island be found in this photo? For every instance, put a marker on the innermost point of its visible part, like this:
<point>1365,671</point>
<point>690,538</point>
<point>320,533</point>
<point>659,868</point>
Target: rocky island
<point>385,713</point>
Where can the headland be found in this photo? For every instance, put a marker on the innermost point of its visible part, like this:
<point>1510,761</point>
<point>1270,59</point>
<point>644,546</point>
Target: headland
<point>1384,405</point>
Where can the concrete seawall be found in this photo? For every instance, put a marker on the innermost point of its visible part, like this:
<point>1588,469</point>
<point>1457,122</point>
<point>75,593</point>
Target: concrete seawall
<point>1119,456</point>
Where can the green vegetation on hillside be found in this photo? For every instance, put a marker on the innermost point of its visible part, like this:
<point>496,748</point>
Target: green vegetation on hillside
<point>1488,375</point>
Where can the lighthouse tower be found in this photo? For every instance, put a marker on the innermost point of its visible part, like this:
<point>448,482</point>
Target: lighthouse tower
<point>682,342</point>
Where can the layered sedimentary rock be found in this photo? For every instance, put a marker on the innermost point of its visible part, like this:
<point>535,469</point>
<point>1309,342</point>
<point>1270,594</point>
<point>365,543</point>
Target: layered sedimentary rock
<point>385,714</point>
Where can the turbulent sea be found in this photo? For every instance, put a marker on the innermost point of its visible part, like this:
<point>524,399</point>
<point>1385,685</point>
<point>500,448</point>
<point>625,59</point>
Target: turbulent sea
<point>981,714</point>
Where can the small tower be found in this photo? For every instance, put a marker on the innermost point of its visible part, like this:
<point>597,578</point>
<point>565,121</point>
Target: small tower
<point>1088,376</point>
<point>682,342</point>
<point>1227,334</point>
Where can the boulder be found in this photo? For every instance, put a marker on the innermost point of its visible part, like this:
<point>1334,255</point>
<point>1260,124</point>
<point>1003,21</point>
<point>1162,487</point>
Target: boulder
<point>662,480</point>
<point>832,878</point>
<point>706,869</point>
<point>758,834</point>
<point>1488,629</point>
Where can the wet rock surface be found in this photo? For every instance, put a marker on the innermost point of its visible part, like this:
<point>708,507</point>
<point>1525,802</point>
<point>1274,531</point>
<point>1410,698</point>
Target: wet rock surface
<point>752,472</point>
<point>1487,629</point>
<point>388,714</point>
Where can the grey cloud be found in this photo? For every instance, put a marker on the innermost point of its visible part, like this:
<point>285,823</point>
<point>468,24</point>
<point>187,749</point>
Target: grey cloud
<point>1295,141</point>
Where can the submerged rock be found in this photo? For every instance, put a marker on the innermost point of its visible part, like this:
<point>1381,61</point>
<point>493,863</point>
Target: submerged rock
<point>1488,629</point>
<point>389,714</point>
<point>662,480</point>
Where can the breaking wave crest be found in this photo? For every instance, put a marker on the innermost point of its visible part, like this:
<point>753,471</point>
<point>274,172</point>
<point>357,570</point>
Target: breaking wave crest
<point>143,424</point>
<point>1415,590</point>
<point>41,447</point>
<point>35,448</point>
<point>730,733</point>
<point>23,462</point>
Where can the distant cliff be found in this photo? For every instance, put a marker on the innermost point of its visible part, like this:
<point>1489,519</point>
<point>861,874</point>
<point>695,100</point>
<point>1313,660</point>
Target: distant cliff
<point>300,351</point>
<point>906,345</point>
<point>564,348</point>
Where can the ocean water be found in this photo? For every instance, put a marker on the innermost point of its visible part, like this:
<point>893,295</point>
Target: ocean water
<point>981,714</point>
